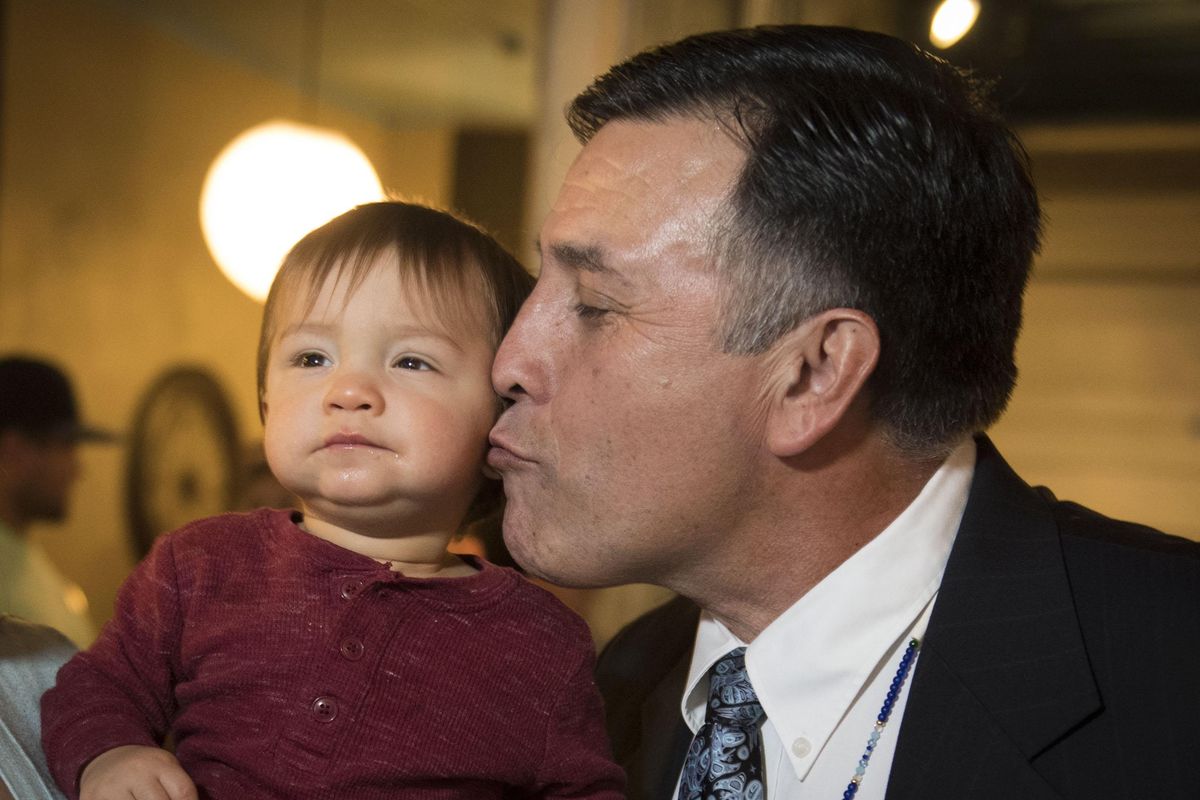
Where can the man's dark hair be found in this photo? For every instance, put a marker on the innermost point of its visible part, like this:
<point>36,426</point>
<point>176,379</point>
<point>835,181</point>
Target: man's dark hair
<point>877,177</point>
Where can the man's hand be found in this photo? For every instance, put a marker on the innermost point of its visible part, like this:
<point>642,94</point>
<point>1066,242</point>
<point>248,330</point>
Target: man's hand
<point>133,772</point>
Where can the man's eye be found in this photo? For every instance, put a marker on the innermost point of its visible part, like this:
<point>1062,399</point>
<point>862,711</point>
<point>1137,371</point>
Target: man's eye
<point>412,362</point>
<point>589,312</point>
<point>310,360</point>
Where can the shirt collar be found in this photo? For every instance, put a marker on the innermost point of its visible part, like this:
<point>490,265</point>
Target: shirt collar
<point>811,663</point>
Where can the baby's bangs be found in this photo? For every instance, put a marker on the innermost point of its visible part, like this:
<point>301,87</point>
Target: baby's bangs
<point>447,282</point>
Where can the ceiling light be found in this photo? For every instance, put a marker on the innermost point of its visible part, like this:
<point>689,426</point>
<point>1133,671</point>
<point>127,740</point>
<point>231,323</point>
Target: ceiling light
<point>951,21</point>
<point>270,186</point>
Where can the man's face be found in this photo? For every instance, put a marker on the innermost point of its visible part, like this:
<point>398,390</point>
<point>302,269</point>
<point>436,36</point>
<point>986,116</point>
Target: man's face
<point>630,441</point>
<point>44,471</point>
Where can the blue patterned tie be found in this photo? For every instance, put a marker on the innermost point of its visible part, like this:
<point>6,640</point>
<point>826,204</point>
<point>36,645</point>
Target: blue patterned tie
<point>725,759</point>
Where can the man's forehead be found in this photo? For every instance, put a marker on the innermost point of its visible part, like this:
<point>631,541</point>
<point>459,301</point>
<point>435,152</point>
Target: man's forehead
<point>641,183</point>
<point>660,156</point>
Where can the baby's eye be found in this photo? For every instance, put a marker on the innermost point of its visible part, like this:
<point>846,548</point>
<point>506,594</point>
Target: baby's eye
<point>310,359</point>
<point>412,362</point>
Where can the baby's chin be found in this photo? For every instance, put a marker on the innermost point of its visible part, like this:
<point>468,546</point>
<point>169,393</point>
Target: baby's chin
<point>376,516</point>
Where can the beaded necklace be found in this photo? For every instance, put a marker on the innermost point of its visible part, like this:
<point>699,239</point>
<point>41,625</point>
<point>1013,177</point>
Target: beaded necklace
<point>881,721</point>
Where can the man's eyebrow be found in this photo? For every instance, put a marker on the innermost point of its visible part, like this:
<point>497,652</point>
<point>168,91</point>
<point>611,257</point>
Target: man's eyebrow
<point>588,259</point>
<point>585,258</point>
<point>581,257</point>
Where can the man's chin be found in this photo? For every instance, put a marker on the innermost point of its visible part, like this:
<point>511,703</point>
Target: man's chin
<point>563,566</point>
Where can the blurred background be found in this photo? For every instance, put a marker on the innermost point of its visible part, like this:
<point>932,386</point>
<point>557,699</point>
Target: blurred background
<point>112,113</point>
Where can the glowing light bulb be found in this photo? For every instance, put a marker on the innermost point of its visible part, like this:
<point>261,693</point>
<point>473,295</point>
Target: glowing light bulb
<point>270,186</point>
<point>952,20</point>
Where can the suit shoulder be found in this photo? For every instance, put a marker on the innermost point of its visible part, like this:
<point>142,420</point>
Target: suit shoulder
<point>1133,571</point>
<point>1087,531</point>
<point>651,644</point>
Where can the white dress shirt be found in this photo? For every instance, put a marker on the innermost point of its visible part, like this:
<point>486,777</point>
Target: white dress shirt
<point>822,668</point>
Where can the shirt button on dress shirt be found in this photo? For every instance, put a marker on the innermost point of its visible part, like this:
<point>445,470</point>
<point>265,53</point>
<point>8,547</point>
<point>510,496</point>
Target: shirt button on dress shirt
<point>352,648</point>
<point>801,747</point>
<point>324,709</point>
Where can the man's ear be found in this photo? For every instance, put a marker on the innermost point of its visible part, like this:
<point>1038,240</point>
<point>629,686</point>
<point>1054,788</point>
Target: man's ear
<point>819,369</point>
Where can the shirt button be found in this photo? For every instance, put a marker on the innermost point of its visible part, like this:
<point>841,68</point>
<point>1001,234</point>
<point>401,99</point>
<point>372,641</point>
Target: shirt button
<point>351,588</point>
<point>352,648</point>
<point>801,747</point>
<point>324,709</point>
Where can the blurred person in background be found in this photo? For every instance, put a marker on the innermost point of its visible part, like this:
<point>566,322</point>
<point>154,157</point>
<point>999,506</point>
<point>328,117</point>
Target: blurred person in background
<point>40,435</point>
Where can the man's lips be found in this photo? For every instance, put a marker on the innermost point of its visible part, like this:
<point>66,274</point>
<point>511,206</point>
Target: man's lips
<point>503,455</point>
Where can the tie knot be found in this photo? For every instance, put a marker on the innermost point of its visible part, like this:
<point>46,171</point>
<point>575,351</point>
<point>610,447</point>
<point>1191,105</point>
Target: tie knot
<point>731,698</point>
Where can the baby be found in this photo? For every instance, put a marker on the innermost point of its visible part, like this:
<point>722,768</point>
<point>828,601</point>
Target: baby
<point>342,651</point>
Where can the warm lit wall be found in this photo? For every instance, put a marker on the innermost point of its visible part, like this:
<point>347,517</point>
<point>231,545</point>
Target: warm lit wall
<point>1107,407</point>
<point>107,131</point>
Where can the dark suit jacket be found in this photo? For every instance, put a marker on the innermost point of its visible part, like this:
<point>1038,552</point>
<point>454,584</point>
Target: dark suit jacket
<point>1062,660</point>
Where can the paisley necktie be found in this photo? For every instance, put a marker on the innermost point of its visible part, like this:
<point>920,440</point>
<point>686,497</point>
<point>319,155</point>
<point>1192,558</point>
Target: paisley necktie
<point>724,760</point>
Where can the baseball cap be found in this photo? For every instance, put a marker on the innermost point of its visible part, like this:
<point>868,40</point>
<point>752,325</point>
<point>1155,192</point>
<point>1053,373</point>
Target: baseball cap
<point>36,397</point>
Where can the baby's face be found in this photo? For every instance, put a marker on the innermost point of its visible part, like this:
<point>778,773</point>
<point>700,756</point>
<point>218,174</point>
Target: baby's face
<point>376,417</point>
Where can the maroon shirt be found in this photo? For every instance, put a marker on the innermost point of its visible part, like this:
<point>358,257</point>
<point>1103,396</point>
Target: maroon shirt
<point>285,666</point>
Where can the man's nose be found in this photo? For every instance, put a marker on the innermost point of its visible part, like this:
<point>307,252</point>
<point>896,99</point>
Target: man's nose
<point>518,371</point>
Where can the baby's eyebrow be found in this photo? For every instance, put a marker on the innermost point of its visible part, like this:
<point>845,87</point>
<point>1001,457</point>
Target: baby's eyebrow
<point>303,327</point>
<point>414,333</point>
<point>422,332</point>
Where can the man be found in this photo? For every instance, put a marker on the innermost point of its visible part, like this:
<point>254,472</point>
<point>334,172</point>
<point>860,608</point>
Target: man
<point>778,302</point>
<point>40,434</point>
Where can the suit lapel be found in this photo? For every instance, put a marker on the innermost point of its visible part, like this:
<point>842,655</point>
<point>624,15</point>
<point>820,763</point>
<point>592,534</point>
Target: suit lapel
<point>665,738</point>
<point>1002,672</point>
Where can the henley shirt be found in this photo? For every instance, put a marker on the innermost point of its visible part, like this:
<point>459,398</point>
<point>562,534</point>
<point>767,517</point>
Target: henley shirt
<point>285,666</point>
